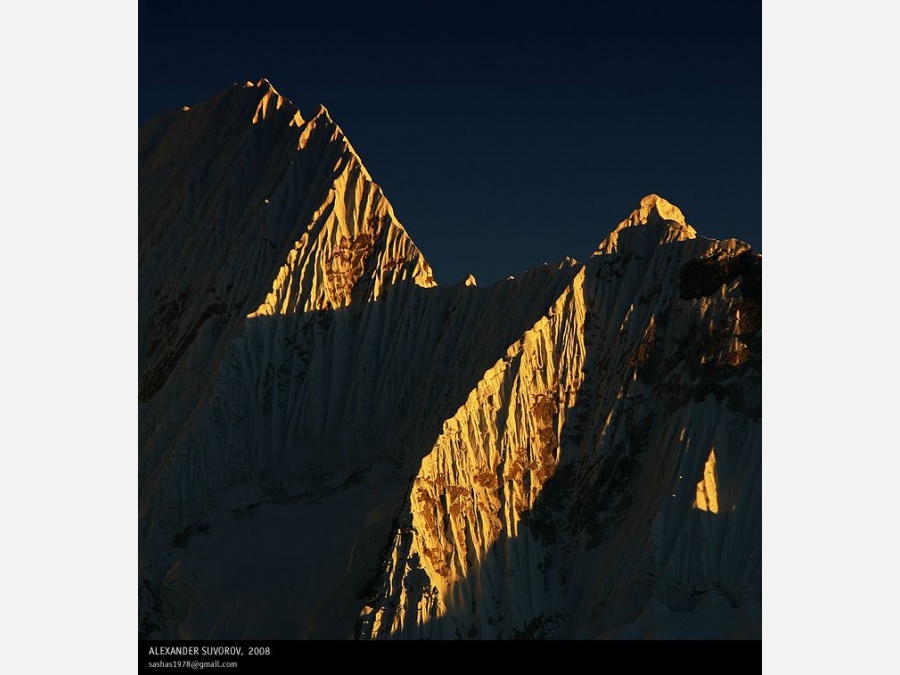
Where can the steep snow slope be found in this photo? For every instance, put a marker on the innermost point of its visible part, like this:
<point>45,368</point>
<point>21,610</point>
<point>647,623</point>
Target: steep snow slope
<point>610,461</point>
<point>330,446</point>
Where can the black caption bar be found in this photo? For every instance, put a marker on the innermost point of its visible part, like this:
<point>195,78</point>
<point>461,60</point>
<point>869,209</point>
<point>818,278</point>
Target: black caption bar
<point>287,656</point>
<point>222,656</point>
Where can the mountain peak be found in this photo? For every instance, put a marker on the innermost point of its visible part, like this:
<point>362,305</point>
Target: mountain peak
<point>271,100</point>
<point>262,83</point>
<point>296,378</point>
<point>322,112</point>
<point>653,209</point>
<point>659,215</point>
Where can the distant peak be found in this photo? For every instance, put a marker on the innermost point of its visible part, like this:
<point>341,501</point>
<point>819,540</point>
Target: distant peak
<point>470,280</point>
<point>653,209</point>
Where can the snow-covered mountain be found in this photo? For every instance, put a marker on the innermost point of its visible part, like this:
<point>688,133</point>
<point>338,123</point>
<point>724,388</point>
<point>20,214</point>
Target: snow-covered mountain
<point>333,446</point>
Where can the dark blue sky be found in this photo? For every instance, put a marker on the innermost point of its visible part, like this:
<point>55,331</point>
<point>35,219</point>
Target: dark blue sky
<point>508,135</point>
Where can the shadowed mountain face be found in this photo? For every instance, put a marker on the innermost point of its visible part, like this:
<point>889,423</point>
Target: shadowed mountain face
<point>331,446</point>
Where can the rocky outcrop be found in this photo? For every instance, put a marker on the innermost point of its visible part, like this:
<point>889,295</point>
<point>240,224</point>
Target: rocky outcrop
<point>333,447</point>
